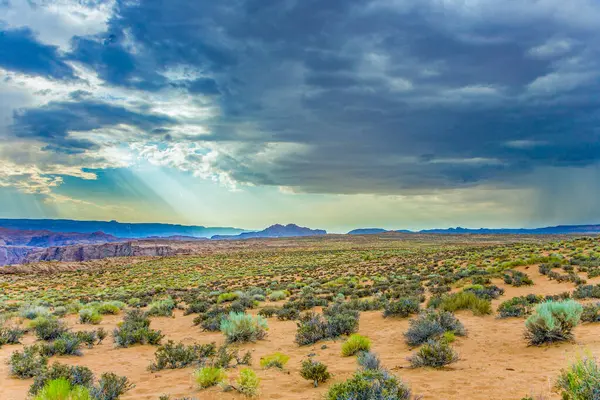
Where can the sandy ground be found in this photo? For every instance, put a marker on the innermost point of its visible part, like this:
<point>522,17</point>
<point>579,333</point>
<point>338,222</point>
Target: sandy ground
<point>495,361</point>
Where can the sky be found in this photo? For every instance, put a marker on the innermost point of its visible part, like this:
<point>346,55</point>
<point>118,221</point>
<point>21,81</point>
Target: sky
<point>338,114</point>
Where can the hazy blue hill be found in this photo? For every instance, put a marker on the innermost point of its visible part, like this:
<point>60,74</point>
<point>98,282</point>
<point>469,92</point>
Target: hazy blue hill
<point>118,229</point>
<point>548,230</point>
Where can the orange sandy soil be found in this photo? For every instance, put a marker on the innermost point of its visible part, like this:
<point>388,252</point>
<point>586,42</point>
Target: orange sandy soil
<point>495,361</point>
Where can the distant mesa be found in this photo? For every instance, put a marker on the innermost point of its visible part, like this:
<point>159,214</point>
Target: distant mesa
<point>118,229</point>
<point>275,231</point>
<point>367,231</point>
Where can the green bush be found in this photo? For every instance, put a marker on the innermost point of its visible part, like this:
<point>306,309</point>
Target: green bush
<point>28,363</point>
<point>434,353</point>
<point>314,371</point>
<point>209,376</point>
<point>47,328</point>
<point>161,308</point>
<point>76,375</point>
<point>354,344</point>
<point>225,297</point>
<point>370,384</point>
<point>11,335</point>
<point>402,308</point>
<point>277,360</point>
<point>111,387</point>
<point>518,306</point>
<point>581,381</point>
<point>312,327</point>
<point>591,313</point>
<point>173,356</point>
<point>89,316</point>
<point>248,382</point>
<point>466,301</point>
<point>432,325</point>
<point>61,389</point>
<point>135,329</point>
<point>66,344</point>
<point>553,321</point>
<point>278,295</point>
<point>242,327</point>
<point>31,311</point>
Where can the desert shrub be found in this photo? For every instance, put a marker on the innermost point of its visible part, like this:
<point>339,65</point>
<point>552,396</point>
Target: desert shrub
<point>314,371</point>
<point>161,308</point>
<point>60,311</point>
<point>241,327</point>
<point>31,311</point>
<point>312,327</point>
<point>342,323</point>
<point>225,297</point>
<point>587,292</point>
<point>206,377</point>
<point>66,344</point>
<point>111,387</point>
<point>402,308</point>
<point>173,356</point>
<point>485,292</point>
<point>581,381</point>
<point>225,356</point>
<point>370,384</point>
<point>277,360</point>
<point>62,389</point>
<point>278,295</point>
<point>466,301</point>
<point>110,307</point>
<point>135,329</point>
<point>287,314</point>
<point>518,306</point>
<point>47,328</point>
<point>197,307</point>
<point>553,321</point>
<point>591,313</point>
<point>434,353</point>
<point>368,360</point>
<point>27,363</point>
<point>134,302</point>
<point>11,335</point>
<point>448,337</point>
<point>516,278</point>
<point>248,382</point>
<point>89,316</point>
<point>76,375</point>
<point>211,319</point>
<point>354,344</point>
<point>431,325</point>
<point>268,312</point>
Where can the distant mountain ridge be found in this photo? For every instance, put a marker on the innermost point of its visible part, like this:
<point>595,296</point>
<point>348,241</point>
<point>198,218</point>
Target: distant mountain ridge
<point>548,230</point>
<point>275,231</point>
<point>118,229</point>
<point>45,238</point>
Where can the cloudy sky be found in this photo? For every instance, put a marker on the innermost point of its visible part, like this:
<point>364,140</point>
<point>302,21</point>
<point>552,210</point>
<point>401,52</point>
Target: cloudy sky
<point>334,114</point>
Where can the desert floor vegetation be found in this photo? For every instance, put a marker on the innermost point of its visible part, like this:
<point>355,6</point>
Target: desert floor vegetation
<point>410,316</point>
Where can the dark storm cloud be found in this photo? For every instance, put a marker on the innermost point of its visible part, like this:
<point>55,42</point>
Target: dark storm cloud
<point>52,123</point>
<point>377,96</point>
<point>21,51</point>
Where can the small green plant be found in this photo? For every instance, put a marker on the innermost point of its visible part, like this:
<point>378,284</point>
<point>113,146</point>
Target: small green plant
<point>278,295</point>
<point>581,381</point>
<point>553,321</point>
<point>354,344</point>
<point>226,297</point>
<point>173,356</point>
<point>466,301</point>
<point>314,371</point>
<point>275,360</point>
<point>11,335</point>
<point>161,308</point>
<point>61,389</point>
<point>89,316</point>
<point>242,327</point>
<point>434,353</point>
<point>47,328</point>
<point>248,382</point>
<point>135,329</point>
<point>76,375</point>
<point>209,376</point>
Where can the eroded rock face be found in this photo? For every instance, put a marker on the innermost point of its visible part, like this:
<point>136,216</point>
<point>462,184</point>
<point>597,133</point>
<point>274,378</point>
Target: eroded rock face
<point>10,255</point>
